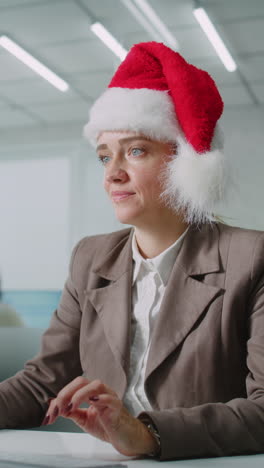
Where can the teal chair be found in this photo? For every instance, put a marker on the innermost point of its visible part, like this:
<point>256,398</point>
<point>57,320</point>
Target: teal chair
<point>17,345</point>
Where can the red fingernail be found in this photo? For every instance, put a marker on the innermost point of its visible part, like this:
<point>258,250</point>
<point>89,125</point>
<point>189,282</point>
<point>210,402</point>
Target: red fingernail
<point>45,421</point>
<point>67,408</point>
<point>94,398</point>
<point>55,412</point>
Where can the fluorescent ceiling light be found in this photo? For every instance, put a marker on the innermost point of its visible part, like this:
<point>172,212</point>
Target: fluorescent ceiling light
<point>110,41</point>
<point>33,63</point>
<point>156,21</point>
<point>213,36</point>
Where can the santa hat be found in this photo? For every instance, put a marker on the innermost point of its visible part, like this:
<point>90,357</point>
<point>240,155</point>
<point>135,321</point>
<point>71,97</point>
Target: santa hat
<point>157,93</point>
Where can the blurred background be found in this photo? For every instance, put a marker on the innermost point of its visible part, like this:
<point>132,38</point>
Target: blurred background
<point>50,180</point>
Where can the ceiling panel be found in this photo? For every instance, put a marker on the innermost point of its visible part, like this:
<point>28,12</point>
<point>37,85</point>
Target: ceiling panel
<point>45,22</point>
<point>15,118</point>
<point>3,105</point>
<point>219,73</point>
<point>108,11</point>
<point>175,14</point>
<point>199,47</point>
<point>235,95</point>
<point>105,9</point>
<point>57,32</point>
<point>259,91</point>
<point>63,111</point>
<point>78,56</point>
<point>9,4</point>
<point>234,10</point>
<point>205,49</point>
<point>246,36</point>
<point>13,69</point>
<point>92,84</point>
<point>35,90</point>
<point>252,66</point>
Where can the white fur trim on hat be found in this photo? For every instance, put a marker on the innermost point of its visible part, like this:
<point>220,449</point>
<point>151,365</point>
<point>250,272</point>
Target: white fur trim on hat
<point>144,110</point>
<point>195,183</point>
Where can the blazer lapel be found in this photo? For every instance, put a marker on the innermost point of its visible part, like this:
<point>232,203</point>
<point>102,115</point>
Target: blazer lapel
<point>112,301</point>
<point>185,298</point>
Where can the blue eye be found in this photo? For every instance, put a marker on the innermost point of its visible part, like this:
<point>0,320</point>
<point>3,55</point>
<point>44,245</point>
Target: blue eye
<point>104,159</point>
<point>136,151</point>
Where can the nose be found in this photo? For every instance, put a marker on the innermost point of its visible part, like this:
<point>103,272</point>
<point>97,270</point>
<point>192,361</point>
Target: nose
<point>115,173</point>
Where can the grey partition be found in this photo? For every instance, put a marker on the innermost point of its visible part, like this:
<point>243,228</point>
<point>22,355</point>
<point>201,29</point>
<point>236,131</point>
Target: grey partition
<point>17,345</point>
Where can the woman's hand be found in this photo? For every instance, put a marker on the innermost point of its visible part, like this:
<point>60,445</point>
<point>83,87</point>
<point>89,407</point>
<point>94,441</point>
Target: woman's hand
<point>106,418</point>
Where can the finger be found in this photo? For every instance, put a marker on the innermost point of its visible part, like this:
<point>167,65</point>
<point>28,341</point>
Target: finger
<point>48,403</point>
<point>60,404</point>
<point>110,410</point>
<point>69,390</point>
<point>66,394</point>
<point>104,401</point>
<point>87,420</point>
<point>52,412</point>
<point>93,390</point>
<point>79,416</point>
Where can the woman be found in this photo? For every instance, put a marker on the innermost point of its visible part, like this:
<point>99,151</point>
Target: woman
<point>160,326</point>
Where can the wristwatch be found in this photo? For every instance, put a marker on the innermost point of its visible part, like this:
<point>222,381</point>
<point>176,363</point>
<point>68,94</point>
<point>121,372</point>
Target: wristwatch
<point>154,432</point>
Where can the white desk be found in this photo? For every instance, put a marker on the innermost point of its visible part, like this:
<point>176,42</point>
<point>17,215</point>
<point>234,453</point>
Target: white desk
<point>83,445</point>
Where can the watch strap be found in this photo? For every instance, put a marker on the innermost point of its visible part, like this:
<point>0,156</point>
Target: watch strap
<point>154,432</point>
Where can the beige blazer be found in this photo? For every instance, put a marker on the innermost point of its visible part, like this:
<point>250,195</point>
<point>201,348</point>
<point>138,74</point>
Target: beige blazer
<point>205,371</point>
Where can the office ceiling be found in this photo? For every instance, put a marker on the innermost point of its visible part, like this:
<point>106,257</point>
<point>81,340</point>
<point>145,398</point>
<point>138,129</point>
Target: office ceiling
<point>57,33</point>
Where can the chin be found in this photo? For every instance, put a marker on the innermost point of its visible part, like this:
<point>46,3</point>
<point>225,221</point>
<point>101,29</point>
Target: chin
<point>126,218</point>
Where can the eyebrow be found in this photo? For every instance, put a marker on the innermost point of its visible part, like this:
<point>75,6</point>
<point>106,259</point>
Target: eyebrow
<point>123,140</point>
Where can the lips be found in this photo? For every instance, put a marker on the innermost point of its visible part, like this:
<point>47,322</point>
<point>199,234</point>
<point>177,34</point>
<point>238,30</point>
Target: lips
<point>121,195</point>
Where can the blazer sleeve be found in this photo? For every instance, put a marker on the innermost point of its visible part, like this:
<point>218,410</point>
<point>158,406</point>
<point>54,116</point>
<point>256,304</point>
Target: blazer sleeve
<point>23,397</point>
<point>231,428</point>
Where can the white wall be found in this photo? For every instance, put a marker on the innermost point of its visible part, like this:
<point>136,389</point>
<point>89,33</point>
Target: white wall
<point>244,131</point>
<point>51,195</point>
<point>34,213</point>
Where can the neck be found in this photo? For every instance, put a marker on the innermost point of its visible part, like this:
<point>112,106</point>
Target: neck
<point>152,240</point>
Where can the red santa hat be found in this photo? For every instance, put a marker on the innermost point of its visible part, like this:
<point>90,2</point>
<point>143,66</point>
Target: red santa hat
<point>157,93</point>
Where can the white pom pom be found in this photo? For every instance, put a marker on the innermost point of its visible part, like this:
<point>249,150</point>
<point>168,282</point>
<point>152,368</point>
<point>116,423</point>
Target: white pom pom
<point>195,182</point>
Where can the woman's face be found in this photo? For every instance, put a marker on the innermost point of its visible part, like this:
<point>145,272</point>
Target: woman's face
<point>132,168</point>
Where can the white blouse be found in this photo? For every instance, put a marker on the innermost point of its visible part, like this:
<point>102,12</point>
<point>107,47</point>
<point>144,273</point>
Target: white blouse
<point>150,277</point>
